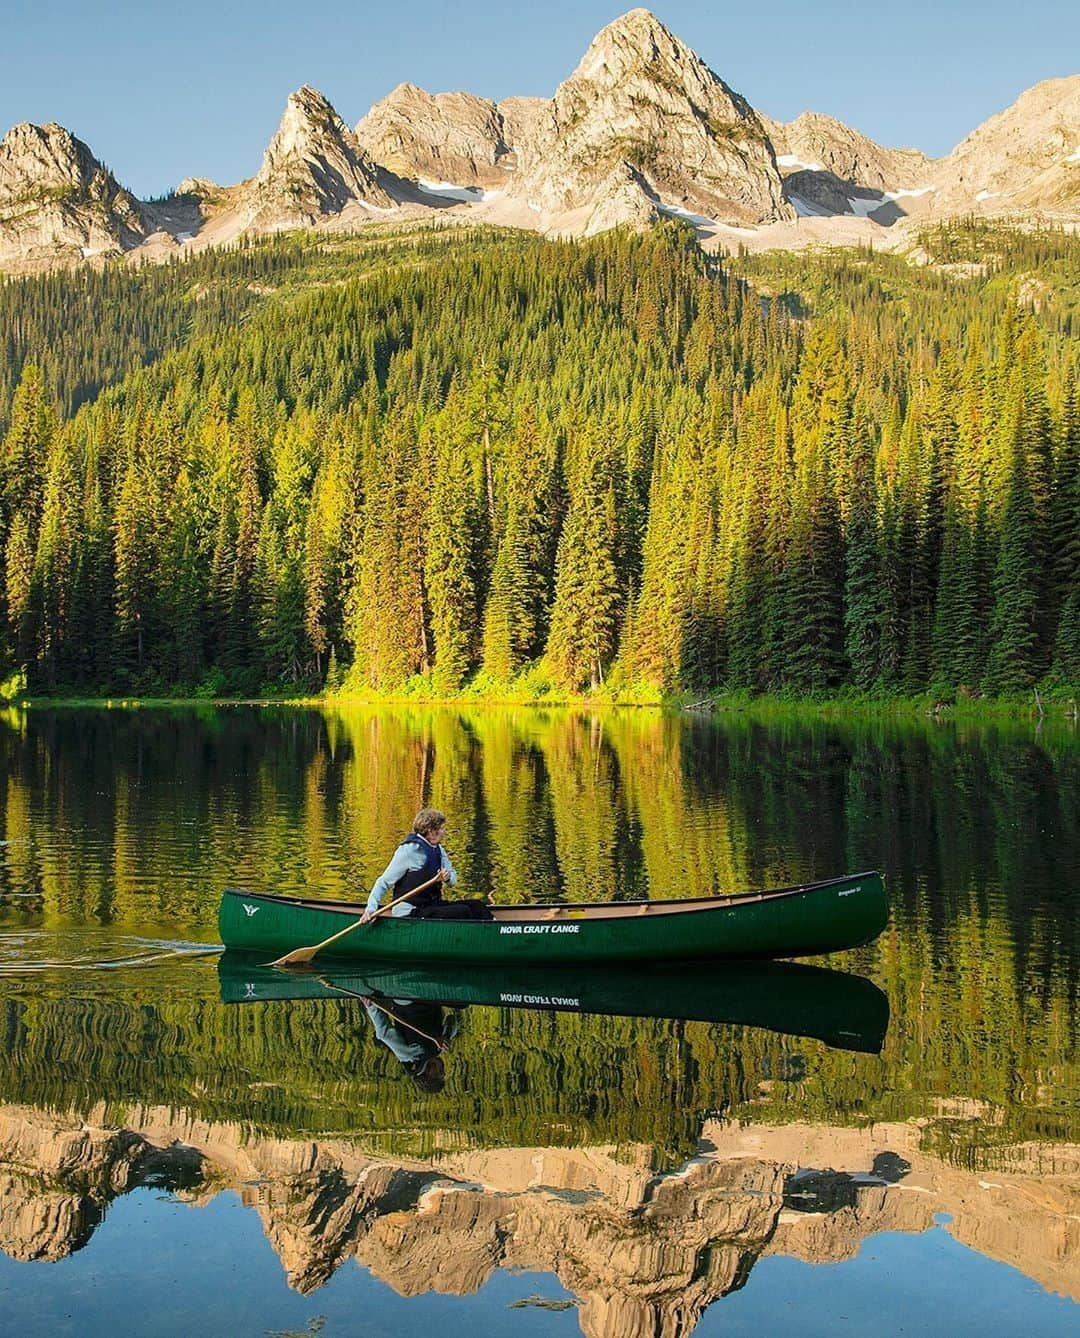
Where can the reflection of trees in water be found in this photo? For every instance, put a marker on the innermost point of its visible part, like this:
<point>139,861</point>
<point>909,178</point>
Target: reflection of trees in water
<point>542,803</point>
<point>644,1252</point>
<point>518,1076</point>
<point>139,818</point>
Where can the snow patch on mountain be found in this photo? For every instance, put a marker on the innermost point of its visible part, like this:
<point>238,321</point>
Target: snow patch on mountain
<point>448,191</point>
<point>793,160</point>
<point>807,209</point>
<point>865,207</point>
<point>698,220</point>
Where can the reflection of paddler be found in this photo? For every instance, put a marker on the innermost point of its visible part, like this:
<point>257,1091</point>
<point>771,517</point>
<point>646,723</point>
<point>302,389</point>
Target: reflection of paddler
<point>417,1033</point>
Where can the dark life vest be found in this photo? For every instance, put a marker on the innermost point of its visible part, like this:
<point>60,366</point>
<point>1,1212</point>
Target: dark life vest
<point>415,877</point>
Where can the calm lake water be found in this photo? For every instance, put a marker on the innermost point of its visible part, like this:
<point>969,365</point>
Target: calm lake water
<point>892,1142</point>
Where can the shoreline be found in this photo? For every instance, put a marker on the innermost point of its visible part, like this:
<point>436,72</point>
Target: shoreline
<point>1060,709</point>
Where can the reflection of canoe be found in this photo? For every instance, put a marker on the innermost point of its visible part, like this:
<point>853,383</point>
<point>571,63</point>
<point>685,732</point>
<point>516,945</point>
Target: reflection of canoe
<point>843,1010</point>
<point>791,922</point>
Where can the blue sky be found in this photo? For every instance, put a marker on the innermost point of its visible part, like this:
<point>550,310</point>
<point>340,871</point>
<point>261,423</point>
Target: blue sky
<point>163,91</point>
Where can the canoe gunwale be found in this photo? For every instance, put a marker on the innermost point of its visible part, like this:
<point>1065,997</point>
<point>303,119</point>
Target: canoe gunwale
<point>605,910</point>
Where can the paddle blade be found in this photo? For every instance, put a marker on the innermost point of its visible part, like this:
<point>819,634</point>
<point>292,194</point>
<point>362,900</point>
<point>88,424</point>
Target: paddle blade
<point>298,957</point>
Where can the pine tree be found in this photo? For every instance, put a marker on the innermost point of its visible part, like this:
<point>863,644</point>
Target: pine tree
<point>136,565</point>
<point>584,618</point>
<point>386,608</point>
<point>184,582</point>
<point>515,615</point>
<point>54,560</point>
<point>1065,541</point>
<point>26,443</point>
<point>19,570</point>
<point>454,532</point>
<point>862,575</point>
<point>1013,662</point>
<point>821,417</point>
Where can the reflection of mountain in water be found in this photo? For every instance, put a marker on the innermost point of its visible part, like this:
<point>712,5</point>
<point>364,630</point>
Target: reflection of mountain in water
<point>645,1253</point>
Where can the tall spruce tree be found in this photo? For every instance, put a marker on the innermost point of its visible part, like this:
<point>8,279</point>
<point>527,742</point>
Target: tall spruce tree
<point>1014,660</point>
<point>454,530</point>
<point>584,618</point>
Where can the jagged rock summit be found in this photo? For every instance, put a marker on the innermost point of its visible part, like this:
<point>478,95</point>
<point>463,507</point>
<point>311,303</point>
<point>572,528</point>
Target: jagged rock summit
<point>822,143</point>
<point>314,167</point>
<point>829,169</point>
<point>641,127</point>
<point>58,201</point>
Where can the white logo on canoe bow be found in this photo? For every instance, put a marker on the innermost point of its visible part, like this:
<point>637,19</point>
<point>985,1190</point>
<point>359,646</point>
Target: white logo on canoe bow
<point>249,909</point>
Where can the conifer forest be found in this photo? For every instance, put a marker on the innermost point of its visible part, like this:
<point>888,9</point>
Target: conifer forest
<point>447,461</point>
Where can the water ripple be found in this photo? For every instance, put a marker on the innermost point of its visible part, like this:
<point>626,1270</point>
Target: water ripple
<point>35,951</point>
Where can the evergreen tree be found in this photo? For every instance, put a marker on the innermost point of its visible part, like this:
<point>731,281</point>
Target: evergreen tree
<point>862,575</point>
<point>1014,660</point>
<point>136,566</point>
<point>453,536</point>
<point>584,618</point>
<point>515,615</point>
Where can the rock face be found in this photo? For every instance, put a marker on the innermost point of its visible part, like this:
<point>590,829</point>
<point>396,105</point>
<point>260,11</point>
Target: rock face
<point>313,168</point>
<point>820,143</point>
<point>522,118</point>
<point>643,122</point>
<point>831,169</point>
<point>448,137</point>
<point>1027,157</point>
<point>58,203</point>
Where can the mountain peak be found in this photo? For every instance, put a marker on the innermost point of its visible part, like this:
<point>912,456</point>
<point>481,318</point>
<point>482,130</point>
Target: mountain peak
<point>640,23</point>
<point>308,114</point>
<point>637,39</point>
<point>1025,157</point>
<point>643,113</point>
<point>313,166</point>
<point>46,155</point>
<point>57,200</point>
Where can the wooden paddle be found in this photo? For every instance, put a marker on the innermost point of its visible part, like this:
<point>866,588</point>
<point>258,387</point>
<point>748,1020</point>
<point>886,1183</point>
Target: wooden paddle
<point>299,956</point>
<point>377,1003</point>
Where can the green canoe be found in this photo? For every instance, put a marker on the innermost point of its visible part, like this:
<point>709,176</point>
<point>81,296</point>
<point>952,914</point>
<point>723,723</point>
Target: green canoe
<point>845,1011</point>
<point>790,922</point>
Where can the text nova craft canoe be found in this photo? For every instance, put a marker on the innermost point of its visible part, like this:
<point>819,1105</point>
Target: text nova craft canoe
<point>789,922</point>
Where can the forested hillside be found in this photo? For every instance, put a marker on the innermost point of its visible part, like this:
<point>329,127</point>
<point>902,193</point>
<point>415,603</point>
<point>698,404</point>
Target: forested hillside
<point>449,459</point>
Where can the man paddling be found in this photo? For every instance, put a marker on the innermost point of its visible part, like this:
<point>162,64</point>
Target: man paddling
<point>421,858</point>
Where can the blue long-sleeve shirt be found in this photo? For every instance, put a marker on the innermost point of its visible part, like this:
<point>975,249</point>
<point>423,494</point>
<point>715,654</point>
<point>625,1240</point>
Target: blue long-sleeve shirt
<point>405,858</point>
<point>392,1036</point>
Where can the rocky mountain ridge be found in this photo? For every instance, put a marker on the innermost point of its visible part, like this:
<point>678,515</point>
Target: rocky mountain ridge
<point>641,129</point>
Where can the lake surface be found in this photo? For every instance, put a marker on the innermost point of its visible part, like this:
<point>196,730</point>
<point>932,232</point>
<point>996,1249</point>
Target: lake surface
<point>893,1142</point>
